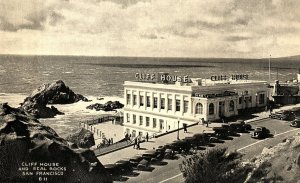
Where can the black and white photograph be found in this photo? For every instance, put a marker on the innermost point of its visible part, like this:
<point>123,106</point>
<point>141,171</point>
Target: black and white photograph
<point>149,91</point>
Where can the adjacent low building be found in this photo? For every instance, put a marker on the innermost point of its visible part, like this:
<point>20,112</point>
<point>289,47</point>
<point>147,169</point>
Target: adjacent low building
<point>161,103</point>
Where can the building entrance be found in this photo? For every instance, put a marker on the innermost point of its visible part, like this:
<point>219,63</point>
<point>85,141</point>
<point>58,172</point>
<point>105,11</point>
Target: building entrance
<point>221,108</point>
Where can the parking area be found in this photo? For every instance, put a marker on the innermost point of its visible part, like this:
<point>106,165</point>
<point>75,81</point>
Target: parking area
<point>160,152</point>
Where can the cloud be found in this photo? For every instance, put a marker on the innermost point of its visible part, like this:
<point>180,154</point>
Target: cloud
<point>236,38</point>
<point>149,36</point>
<point>215,28</point>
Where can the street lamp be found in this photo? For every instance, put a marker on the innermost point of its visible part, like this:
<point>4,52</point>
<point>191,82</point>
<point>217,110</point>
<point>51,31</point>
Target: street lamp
<point>178,129</point>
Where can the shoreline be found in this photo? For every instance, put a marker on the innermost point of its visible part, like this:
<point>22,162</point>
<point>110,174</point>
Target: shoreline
<point>74,113</point>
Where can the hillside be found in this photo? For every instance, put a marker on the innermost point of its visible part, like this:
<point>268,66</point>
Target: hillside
<point>280,163</point>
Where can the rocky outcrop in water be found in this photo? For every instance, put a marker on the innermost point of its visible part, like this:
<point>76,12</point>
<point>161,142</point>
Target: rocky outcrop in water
<point>26,144</point>
<point>54,93</point>
<point>108,106</point>
<point>82,138</point>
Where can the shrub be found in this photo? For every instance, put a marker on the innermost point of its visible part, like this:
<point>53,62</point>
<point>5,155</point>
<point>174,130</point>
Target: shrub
<point>214,166</point>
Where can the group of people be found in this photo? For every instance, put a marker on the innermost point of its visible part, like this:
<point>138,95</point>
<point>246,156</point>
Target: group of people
<point>136,141</point>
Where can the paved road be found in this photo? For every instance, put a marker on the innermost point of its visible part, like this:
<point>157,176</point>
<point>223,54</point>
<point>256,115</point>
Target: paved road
<point>170,173</point>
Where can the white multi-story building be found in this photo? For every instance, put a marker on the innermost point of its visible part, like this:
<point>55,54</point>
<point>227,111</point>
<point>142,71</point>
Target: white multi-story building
<point>158,107</point>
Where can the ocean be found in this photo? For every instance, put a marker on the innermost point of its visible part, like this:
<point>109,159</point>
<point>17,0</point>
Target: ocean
<point>104,77</point>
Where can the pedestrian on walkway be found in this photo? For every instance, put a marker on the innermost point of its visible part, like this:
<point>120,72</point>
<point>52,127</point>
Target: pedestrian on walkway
<point>135,143</point>
<point>207,123</point>
<point>112,141</point>
<point>138,144</point>
<point>184,128</point>
<point>109,142</point>
<point>147,136</point>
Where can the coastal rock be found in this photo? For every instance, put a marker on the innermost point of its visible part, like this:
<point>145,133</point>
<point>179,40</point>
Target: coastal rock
<point>82,138</point>
<point>279,163</point>
<point>108,106</point>
<point>26,144</point>
<point>54,93</point>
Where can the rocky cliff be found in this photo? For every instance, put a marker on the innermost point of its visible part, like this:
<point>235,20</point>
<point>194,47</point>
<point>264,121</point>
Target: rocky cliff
<point>54,93</point>
<point>82,138</point>
<point>32,152</point>
<point>280,163</point>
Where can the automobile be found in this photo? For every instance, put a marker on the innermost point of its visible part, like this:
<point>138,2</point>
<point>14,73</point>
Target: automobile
<point>221,132</point>
<point>143,165</point>
<point>135,160</point>
<point>200,139</point>
<point>124,165</point>
<point>210,137</point>
<point>180,145</point>
<point>282,115</point>
<point>169,154</point>
<point>150,155</point>
<point>260,132</point>
<point>113,169</point>
<point>239,126</point>
<point>295,123</point>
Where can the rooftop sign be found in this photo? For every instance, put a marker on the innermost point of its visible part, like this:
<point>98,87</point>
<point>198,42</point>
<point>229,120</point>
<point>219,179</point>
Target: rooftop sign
<point>161,77</point>
<point>230,77</point>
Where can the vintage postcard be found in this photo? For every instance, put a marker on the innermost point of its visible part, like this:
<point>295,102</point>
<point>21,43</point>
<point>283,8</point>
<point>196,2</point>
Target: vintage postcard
<point>149,91</point>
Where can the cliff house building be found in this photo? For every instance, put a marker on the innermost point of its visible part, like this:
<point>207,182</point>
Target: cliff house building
<point>160,103</point>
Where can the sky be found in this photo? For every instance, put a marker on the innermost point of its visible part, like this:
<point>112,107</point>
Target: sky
<point>151,28</point>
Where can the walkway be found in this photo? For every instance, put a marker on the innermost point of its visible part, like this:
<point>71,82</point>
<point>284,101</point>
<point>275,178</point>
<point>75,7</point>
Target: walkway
<point>153,143</point>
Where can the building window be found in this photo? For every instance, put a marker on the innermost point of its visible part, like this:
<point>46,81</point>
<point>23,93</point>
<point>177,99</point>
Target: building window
<point>134,119</point>
<point>185,106</point>
<point>154,122</point>
<point>211,109</point>
<point>141,120</point>
<point>261,99</point>
<point>147,121</point>
<point>141,100</point>
<point>231,105</point>
<point>155,102</point>
<point>240,100</point>
<point>133,133</point>
<point>162,103</point>
<point>169,104</point>
<point>161,124</point>
<point>199,108</point>
<point>177,105</point>
<point>148,101</point>
<point>134,99</point>
<point>127,118</point>
<point>128,99</point>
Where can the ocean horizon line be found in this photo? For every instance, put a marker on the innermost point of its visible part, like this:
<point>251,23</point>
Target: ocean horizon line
<point>148,57</point>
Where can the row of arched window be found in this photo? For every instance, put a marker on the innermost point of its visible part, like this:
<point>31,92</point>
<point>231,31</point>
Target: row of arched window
<point>211,108</point>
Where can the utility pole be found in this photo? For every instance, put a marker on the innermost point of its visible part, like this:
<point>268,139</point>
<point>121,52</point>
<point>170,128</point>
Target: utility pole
<point>270,69</point>
<point>178,129</point>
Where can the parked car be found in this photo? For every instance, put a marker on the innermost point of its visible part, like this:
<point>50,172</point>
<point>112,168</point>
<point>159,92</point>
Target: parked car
<point>113,169</point>
<point>169,154</point>
<point>150,155</point>
<point>282,115</point>
<point>221,132</point>
<point>200,139</point>
<point>180,145</point>
<point>135,160</point>
<point>295,123</point>
<point>260,132</point>
<point>143,165</point>
<point>124,165</point>
<point>240,126</point>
